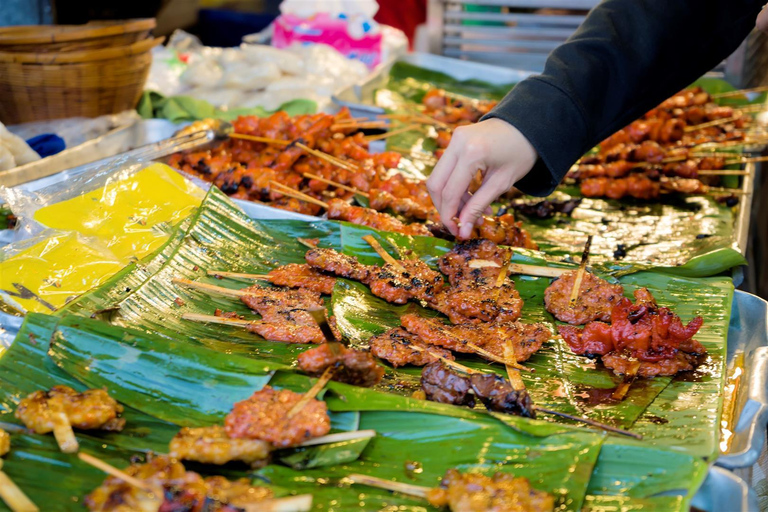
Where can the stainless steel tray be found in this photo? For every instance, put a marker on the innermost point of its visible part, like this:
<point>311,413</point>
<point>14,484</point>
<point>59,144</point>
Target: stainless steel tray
<point>723,491</point>
<point>748,336</point>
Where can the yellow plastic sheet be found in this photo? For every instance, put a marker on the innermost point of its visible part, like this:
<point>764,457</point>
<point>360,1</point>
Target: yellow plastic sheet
<point>131,216</point>
<point>52,271</point>
<point>104,230</point>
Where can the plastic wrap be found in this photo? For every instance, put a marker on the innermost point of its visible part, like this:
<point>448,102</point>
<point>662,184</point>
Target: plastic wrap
<point>42,273</point>
<point>130,208</point>
<point>76,130</point>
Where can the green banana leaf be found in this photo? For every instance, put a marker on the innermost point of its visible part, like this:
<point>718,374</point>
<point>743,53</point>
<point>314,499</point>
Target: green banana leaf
<point>418,448</point>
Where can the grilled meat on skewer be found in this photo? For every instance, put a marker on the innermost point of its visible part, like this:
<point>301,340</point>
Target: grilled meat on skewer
<point>641,332</point>
<point>212,445</point>
<point>595,300</point>
<point>178,489</point>
<point>397,346</point>
<point>492,337</point>
<point>93,409</point>
<point>473,492</point>
<point>296,275</point>
<point>442,384</point>
<point>334,262</point>
<point>265,416</point>
<point>353,367</point>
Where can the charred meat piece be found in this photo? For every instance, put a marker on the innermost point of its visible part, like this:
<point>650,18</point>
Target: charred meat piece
<point>655,336</point>
<point>595,300</point>
<point>396,346</point>
<point>442,385</point>
<point>265,416</point>
<point>93,409</point>
<point>456,263</point>
<point>417,281</point>
<point>212,445</point>
<point>295,275</point>
<point>502,492</point>
<point>339,264</point>
<point>497,394</point>
<point>353,367</point>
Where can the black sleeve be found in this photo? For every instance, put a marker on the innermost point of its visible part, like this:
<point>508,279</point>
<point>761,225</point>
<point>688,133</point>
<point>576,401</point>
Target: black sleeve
<point>627,57</point>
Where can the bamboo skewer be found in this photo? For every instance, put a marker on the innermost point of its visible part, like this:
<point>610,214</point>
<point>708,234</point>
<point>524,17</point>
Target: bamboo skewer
<point>340,437</point>
<point>360,125</point>
<point>264,140</point>
<point>722,172</point>
<point>238,275</point>
<point>629,378</point>
<point>740,92</point>
<point>227,292</point>
<point>13,496</point>
<point>709,124</point>
<point>117,473</point>
<point>288,191</point>
<point>447,362</point>
<point>382,253</point>
<point>408,128</point>
<point>522,268</point>
<point>221,320</point>
<point>314,152</point>
<point>335,184</point>
<point>62,429</point>
<point>299,503</point>
<point>580,273</point>
<point>372,481</point>
<point>313,391</point>
<point>593,423</point>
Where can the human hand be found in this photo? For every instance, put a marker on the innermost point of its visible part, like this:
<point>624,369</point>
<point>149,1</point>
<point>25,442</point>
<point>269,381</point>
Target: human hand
<point>762,20</point>
<point>494,147</point>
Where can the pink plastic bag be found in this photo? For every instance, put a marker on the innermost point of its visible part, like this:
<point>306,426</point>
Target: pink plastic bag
<point>335,31</point>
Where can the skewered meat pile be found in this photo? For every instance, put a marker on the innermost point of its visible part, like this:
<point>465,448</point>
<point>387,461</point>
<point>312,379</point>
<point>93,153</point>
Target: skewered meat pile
<point>472,492</point>
<point>178,489</point>
<point>264,416</point>
<point>657,153</point>
<point>642,339</point>
<point>212,445</point>
<point>442,384</point>
<point>453,110</point>
<point>93,409</point>
<point>595,299</point>
<point>353,367</point>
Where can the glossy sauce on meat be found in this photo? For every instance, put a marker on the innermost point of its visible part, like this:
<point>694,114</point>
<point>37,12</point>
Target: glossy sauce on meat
<point>296,275</point>
<point>354,367</point>
<point>595,300</point>
<point>93,409</point>
<point>397,347</point>
<point>212,445</point>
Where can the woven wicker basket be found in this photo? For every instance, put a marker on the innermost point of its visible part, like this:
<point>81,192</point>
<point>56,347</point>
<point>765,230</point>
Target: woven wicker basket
<point>41,86</point>
<point>68,38</point>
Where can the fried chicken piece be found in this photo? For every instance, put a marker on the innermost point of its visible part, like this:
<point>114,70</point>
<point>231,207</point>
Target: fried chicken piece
<point>5,442</point>
<point>595,300</point>
<point>339,264</point>
<point>396,346</point>
<point>212,445</point>
<point>442,385</point>
<point>472,492</point>
<point>354,367</point>
<point>296,275</point>
<point>265,416</point>
<point>492,337</point>
<point>418,281</point>
<point>178,489</point>
<point>93,409</point>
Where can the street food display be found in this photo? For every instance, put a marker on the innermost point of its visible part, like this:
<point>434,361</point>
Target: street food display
<point>304,360</point>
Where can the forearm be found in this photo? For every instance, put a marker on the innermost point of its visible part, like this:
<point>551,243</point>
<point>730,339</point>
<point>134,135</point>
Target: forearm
<point>628,56</point>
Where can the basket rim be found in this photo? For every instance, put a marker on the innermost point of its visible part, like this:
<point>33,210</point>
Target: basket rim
<point>136,48</point>
<point>65,33</point>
